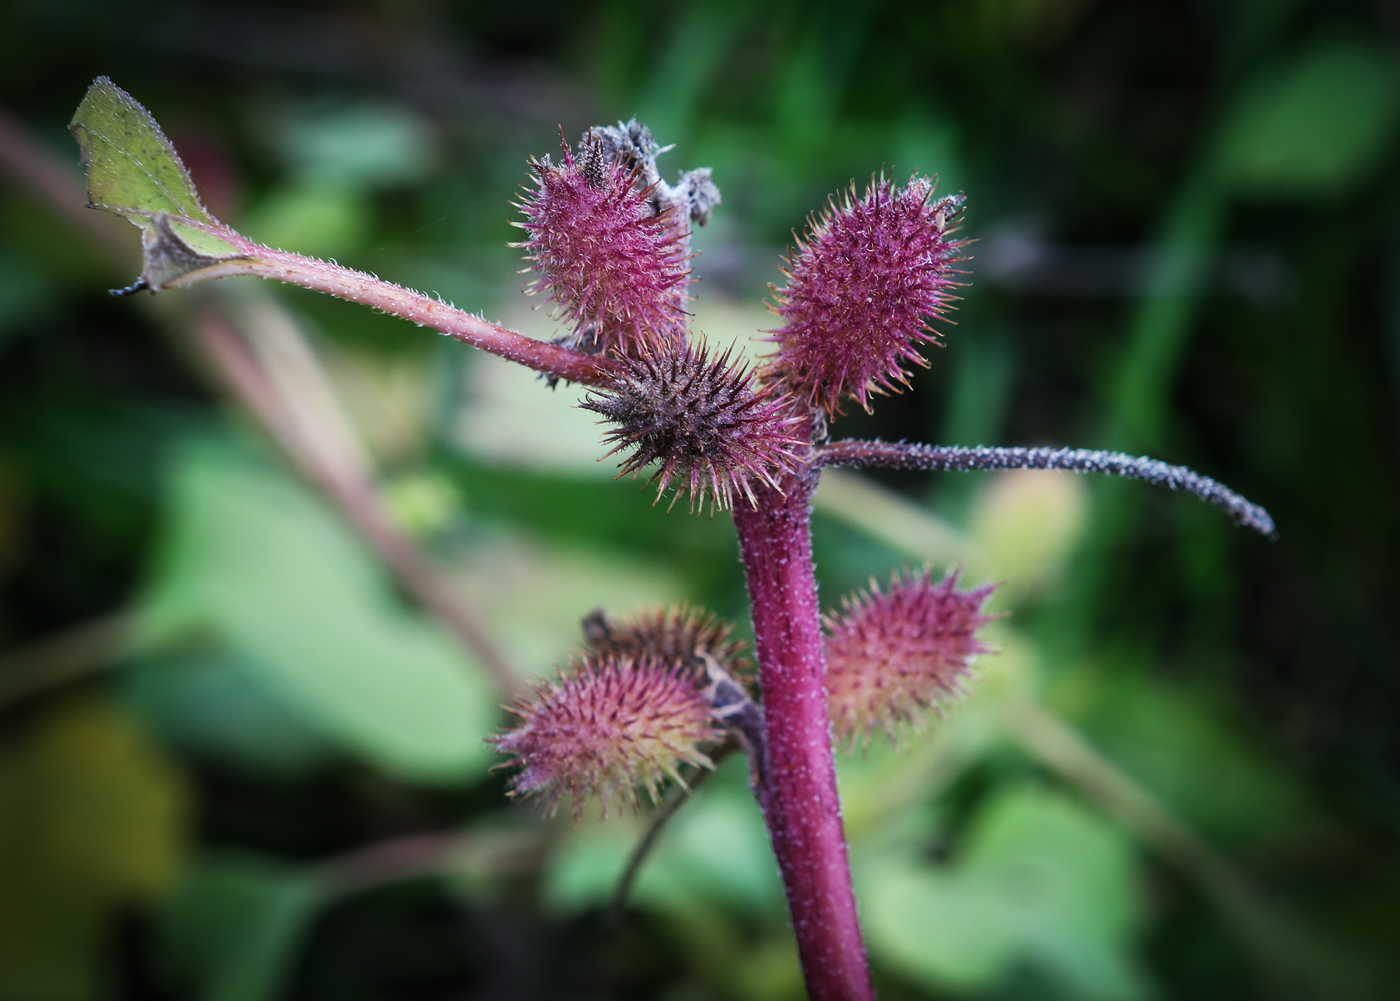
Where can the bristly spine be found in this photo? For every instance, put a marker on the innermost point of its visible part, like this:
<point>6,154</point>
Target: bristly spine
<point>896,652</point>
<point>704,421</point>
<point>862,287</point>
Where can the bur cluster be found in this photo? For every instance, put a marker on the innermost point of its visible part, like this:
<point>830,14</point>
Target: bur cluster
<point>608,240</point>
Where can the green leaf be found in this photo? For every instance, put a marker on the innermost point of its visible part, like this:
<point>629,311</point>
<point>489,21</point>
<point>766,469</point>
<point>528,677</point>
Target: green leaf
<point>233,928</point>
<point>134,171</point>
<point>1038,881</point>
<point>1160,733</point>
<point>1314,127</point>
<point>715,850</point>
<point>208,704</point>
<point>253,559</point>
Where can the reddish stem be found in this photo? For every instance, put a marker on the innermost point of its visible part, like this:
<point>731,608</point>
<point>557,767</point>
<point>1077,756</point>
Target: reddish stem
<point>798,788</point>
<point>356,286</point>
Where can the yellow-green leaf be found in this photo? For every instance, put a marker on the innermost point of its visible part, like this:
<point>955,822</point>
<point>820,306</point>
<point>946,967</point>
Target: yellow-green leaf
<point>132,167</point>
<point>134,171</point>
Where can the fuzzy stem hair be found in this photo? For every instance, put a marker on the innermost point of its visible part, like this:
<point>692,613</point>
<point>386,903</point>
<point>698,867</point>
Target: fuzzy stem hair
<point>903,455</point>
<point>797,788</point>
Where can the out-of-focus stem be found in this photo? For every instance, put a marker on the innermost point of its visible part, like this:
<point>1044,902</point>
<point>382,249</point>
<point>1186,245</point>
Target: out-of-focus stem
<point>57,660</point>
<point>1284,961</point>
<point>242,375</point>
<point>226,354</point>
<point>677,798</point>
<point>798,787</point>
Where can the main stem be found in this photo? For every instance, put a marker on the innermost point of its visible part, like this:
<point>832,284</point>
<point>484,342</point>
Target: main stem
<point>797,789</point>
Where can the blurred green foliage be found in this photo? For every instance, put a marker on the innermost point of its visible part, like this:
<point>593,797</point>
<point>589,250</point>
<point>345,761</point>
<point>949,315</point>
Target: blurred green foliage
<point>272,782</point>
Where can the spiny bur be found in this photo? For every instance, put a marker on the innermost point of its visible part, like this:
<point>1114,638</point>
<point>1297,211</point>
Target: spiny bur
<point>895,652</point>
<point>614,723</point>
<point>681,634</point>
<point>608,253</point>
<point>862,287</point>
<point>705,423</point>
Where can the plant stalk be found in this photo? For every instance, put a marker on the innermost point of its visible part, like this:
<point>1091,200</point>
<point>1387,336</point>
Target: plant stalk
<point>797,790</point>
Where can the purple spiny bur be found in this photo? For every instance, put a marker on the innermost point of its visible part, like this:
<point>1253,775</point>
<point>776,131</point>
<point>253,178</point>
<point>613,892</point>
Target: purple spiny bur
<point>681,633</point>
<point>861,290</point>
<point>705,424</point>
<point>895,652</point>
<point>614,265</point>
<point>614,723</point>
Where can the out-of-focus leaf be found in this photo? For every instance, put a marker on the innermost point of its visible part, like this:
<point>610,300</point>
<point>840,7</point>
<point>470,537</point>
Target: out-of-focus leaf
<point>210,705</point>
<point>1039,881</point>
<point>92,819</point>
<point>511,418</point>
<point>321,220</point>
<point>715,848</point>
<point>233,928</point>
<point>390,396</point>
<point>423,502</point>
<point>584,869</point>
<point>358,147</point>
<point>892,518</point>
<point>1027,522</point>
<point>1313,127</point>
<point>1188,754</point>
<point>928,145</point>
<point>253,558</point>
<point>134,171</point>
<point>535,594</point>
<point>25,292</point>
<point>713,851</point>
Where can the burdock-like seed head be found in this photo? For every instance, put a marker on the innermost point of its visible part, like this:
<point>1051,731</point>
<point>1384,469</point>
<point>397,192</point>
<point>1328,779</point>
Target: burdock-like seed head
<point>678,634</point>
<point>613,724</point>
<point>606,252</point>
<point>862,288</point>
<point>703,421</point>
<point>895,652</point>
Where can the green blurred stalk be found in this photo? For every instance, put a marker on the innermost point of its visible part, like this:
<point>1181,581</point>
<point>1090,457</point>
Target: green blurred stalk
<point>1138,414</point>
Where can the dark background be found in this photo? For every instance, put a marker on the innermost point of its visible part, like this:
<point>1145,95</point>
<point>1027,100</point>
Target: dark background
<point>1187,229</point>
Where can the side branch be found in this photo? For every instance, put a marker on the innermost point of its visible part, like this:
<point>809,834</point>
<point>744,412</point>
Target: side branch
<point>416,307</point>
<point>902,455</point>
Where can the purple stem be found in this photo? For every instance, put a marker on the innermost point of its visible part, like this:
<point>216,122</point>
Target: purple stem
<point>797,789</point>
<point>901,455</point>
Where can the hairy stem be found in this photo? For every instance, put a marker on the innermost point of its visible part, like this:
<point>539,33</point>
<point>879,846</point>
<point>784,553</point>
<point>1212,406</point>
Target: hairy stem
<point>798,787</point>
<point>416,307</point>
<point>902,455</point>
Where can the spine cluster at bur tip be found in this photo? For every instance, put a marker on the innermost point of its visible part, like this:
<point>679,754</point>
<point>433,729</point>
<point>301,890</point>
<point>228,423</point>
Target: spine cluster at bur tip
<point>894,652</point>
<point>862,287</point>
<point>606,251</point>
<point>613,724</point>
<point>703,421</point>
<point>681,634</point>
